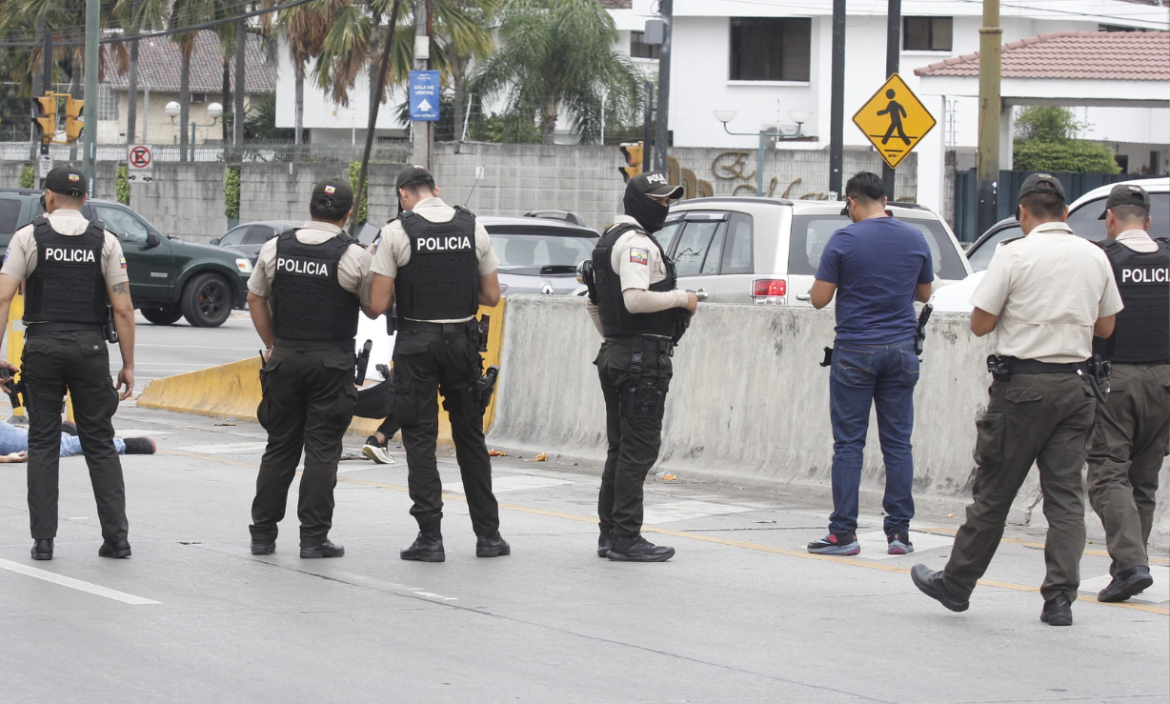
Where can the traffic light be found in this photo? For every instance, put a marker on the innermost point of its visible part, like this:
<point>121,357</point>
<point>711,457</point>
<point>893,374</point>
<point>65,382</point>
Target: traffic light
<point>633,155</point>
<point>45,110</point>
<point>74,122</point>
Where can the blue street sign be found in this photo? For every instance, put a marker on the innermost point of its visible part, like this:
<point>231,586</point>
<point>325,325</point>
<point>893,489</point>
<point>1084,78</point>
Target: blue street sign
<point>424,96</point>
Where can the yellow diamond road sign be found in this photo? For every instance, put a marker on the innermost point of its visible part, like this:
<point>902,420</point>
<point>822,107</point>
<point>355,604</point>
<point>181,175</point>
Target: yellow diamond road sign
<point>894,120</point>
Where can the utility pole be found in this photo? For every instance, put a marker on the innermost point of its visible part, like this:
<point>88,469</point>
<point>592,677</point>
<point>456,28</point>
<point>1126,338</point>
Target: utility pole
<point>373,117</point>
<point>89,132</point>
<point>893,56</point>
<point>990,45</point>
<point>662,128</point>
<point>648,128</point>
<point>423,134</point>
<point>238,113</point>
<point>837,104</point>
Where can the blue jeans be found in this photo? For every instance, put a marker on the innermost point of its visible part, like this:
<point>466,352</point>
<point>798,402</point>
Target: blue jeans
<point>14,439</point>
<point>863,376</point>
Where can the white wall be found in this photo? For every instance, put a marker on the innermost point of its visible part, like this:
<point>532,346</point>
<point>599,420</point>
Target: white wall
<point>320,110</point>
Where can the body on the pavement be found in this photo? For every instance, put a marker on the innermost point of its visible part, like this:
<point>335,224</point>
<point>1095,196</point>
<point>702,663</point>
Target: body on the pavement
<point>1042,407</point>
<point>304,297</point>
<point>638,310</point>
<point>14,443</point>
<point>1133,427</point>
<point>75,280</point>
<point>436,264</point>
<point>877,268</point>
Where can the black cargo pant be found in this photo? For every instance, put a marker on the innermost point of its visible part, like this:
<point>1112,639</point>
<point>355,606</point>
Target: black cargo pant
<point>1045,419</point>
<point>377,402</point>
<point>429,358</point>
<point>635,401</point>
<point>80,362</point>
<point>308,403</point>
<point>1129,445</point>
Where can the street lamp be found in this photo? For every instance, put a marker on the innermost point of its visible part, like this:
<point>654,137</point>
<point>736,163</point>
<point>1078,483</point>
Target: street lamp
<point>214,110</point>
<point>798,116</point>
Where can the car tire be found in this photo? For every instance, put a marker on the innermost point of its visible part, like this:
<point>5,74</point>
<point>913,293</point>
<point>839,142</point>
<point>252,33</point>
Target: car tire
<point>207,300</point>
<point>163,316</point>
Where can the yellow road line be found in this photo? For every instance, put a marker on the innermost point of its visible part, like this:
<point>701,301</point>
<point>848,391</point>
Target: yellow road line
<point>1034,544</point>
<point>837,559</point>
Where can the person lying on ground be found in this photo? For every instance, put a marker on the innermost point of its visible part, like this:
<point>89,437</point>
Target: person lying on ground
<point>14,443</point>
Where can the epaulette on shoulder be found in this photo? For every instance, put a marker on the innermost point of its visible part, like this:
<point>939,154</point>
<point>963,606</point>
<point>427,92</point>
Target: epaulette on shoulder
<point>1009,241</point>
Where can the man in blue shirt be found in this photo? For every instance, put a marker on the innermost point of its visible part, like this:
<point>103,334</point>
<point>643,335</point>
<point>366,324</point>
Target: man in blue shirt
<point>877,267</point>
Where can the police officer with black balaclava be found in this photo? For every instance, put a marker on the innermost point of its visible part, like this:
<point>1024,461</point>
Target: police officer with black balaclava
<point>1133,427</point>
<point>304,297</point>
<point>74,275</point>
<point>637,309</point>
<point>437,265</point>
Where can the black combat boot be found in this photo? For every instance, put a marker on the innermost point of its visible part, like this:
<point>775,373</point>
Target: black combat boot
<point>42,549</point>
<point>1126,583</point>
<point>118,550</point>
<point>604,542</point>
<point>637,549</point>
<point>492,546</point>
<point>325,549</point>
<point>1057,611</point>
<point>428,546</point>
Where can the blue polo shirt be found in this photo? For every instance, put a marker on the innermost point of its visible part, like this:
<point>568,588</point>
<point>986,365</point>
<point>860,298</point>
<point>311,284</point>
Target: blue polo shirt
<point>876,264</point>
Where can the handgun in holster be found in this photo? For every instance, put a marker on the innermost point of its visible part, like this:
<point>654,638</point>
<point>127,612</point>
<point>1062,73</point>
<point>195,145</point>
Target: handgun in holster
<point>16,388</point>
<point>585,276</point>
<point>109,330</point>
<point>485,386</point>
<point>1000,368</point>
<point>363,363</point>
<point>1099,371</point>
<point>920,333</point>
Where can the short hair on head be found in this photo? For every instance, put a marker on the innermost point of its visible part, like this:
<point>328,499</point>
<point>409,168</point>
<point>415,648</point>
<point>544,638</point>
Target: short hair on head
<point>333,214</point>
<point>1044,204</point>
<point>67,199</point>
<point>866,186</point>
<point>416,188</point>
<point>1130,213</point>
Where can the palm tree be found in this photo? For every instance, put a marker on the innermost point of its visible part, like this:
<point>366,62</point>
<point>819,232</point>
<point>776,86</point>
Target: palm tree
<point>137,15</point>
<point>306,28</point>
<point>185,13</point>
<point>558,54</point>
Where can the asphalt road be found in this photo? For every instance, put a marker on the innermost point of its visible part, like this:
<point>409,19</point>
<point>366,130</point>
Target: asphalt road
<point>164,350</point>
<point>742,614</point>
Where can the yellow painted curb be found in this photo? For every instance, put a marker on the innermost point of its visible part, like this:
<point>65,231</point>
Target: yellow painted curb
<point>233,390</point>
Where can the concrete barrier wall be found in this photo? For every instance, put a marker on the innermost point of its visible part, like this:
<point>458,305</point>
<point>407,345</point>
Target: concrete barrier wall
<point>749,404</point>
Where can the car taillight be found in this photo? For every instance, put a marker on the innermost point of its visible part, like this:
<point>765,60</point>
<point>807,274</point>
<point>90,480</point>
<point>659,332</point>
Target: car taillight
<point>770,287</point>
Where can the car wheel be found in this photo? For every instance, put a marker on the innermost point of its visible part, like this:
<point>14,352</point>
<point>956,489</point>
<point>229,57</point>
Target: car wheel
<point>207,301</point>
<point>163,316</point>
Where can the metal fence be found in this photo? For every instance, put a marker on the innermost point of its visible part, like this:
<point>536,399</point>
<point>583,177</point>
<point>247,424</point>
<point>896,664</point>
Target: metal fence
<point>254,152</point>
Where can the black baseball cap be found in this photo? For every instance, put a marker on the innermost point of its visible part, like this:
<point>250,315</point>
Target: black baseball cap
<point>1042,183</point>
<point>654,183</point>
<point>333,193</point>
<point>67,181</point>
<point>1127,195</point>
<point>415,175</point>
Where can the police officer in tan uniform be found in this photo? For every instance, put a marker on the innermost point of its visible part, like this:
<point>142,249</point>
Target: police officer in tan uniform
<point>638,310</point>
<point>1133,428</point>
<point>1041,406</point>
<point>304,297</point>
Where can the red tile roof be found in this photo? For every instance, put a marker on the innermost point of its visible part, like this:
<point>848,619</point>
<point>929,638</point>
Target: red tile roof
<point>1130,56</point>
<point>159,65</point>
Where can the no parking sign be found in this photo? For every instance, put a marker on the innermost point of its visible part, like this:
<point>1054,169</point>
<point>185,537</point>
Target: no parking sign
<point>140,161</point>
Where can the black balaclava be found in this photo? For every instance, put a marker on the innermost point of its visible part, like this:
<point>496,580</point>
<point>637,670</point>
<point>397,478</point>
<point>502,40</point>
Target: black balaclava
<point>649,214</point>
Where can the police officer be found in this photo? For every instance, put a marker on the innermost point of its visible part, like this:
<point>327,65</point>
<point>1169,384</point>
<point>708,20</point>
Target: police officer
<point>1042,405</point>
<point>437,264</point>
<point>1133,428</point>
<point>641,315</point>
<point>304,297</point>
<point>74,275</point>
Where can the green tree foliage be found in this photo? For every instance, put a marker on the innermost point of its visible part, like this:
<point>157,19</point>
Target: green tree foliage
<point>28,176</point>
<point>122,184</point>
<point>558,55</point>
<point>261,120</point>
<point>1046,141</point>
<point>360,214</point>
<point>231,192</point>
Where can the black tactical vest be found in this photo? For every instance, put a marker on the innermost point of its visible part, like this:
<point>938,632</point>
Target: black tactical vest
<point>616,321</point>
<point>1142,335</point>
<point>441,280</point>
<point>68,285</point>
<point>308,302</point>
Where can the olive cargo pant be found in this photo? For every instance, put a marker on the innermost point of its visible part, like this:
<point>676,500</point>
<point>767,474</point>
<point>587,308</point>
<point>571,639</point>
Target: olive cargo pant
<point>308,403</point>
<point>1133,430</point>
<point>634,437</point>
<point>1041,418</point>
<point>80,362</point>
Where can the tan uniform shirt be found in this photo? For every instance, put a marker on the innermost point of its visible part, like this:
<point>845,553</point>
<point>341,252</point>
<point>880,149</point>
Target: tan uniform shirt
<point>353,271</point>
<point>1048,289</point>
<point>21,259</point>
<point>394,250</point>
<point>638,263</point>
<point>1138,241</point>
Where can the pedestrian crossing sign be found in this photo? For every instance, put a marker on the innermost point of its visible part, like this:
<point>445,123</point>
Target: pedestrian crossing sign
<point>894,120</point>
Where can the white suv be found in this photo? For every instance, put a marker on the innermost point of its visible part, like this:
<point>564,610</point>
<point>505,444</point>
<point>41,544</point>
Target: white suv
<point>766,250</point>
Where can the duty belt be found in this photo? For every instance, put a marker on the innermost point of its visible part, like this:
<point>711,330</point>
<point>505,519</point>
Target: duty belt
<point>1032,366</point>
<point>34,329</point>
<point>638,342</point>
<point>445,329</point>
<point>287,344</point>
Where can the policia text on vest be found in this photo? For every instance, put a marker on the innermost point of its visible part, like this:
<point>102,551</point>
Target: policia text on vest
<point>75,279</point>
<point>436,264</point>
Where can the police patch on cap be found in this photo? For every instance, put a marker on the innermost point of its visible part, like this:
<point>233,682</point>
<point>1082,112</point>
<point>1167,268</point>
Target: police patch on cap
<point>67,181</point>
<point>1042,183</point>
<point>333,193</point>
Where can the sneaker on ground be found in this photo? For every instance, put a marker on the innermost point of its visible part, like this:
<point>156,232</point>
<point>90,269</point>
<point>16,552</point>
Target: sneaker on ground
<point>899,544</point>
<point>139,446</point>
<point>376,451</point>
<point>833,544</point>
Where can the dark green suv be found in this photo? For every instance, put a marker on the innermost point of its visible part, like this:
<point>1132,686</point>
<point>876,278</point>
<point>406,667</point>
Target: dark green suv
<point>169,278</point>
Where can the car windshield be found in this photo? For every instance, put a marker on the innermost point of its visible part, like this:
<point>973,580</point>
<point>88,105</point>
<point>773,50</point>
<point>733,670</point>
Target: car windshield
<point>536,254</point>
<point>981,258</point>
<point>810,234</point>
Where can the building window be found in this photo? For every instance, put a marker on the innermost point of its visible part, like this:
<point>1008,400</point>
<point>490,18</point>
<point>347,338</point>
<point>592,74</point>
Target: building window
<point>198,98</point>
<point>639,49</point>
<point>107,107</point>
<point>770,49</point>
<point>927,33</point>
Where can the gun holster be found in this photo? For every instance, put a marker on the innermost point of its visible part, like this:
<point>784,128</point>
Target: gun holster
<point>109,330</point>
<point>828,360</point>
<point>1001,369</point>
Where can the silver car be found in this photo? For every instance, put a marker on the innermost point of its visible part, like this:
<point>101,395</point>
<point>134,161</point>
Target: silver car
<point>539,255</point>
